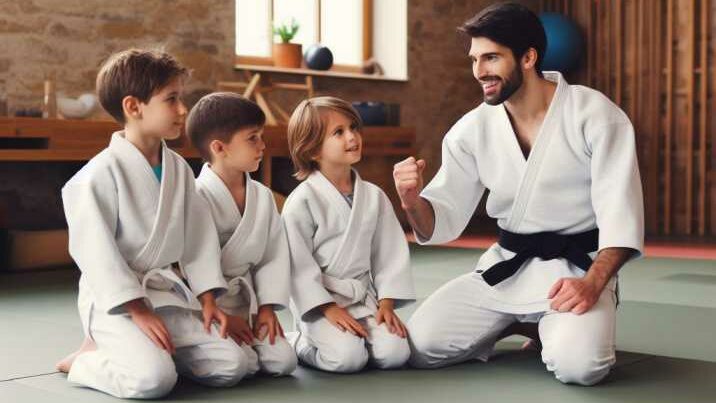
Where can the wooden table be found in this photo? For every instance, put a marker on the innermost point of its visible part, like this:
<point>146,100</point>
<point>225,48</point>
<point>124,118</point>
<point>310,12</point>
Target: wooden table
<point>42,140</point>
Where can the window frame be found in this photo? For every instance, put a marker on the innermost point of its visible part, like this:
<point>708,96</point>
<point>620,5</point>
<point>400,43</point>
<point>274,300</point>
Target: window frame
<point>367,39</point>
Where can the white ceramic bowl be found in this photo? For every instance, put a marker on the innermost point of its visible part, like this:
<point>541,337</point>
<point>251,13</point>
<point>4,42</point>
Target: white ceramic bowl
<point>79,108</point>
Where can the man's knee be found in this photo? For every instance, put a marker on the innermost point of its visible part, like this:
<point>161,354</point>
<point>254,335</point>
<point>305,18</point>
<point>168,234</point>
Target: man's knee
<point>425,346</point>
<point>578,368</point>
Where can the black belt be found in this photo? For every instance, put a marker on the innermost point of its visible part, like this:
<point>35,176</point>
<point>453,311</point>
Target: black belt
<point>544,245</point>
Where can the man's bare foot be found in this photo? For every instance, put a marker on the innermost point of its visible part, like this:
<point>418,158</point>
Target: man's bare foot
<point>66,363</point>
<point>528,330</point>
<point>531,345</point>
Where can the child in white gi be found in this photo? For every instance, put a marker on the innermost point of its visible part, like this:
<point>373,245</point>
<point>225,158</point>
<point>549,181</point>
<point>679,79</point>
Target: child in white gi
<point>227,130</point>
<point>349,257</point>
<point>137,226</point>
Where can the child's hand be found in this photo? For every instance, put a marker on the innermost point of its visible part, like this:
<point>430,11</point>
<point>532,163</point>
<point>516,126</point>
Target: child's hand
<point>239,330</point>
<point>212,313</point>
<point>340,318</point>
<point>387,314</point>
<point>266,320</point>
<point>151,324</point>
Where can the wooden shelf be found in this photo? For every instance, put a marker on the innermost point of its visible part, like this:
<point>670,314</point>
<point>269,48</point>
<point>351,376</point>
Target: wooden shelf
<point>79,140</point>
<point>316,73</point>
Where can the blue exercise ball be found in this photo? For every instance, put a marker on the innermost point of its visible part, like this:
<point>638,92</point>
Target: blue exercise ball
<point>565,43</point>
<point>318,57</point>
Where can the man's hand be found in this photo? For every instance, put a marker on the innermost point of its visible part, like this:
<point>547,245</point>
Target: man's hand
<point>340,318</point>
<point>408,177</point>
<point>580,294</point>
<point>387,314</point>
<point>151,324</point>
<point>266,321</point>
<point>577,295</point>
<point>239,330</point>
<point>212,313</point>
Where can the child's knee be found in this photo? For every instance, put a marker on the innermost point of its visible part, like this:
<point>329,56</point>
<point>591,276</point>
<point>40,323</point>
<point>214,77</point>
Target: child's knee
<point>278,359</point>
<point>228,366</point>
<point>153,379</point>
<point>393,352</point>
<point>345,357</point>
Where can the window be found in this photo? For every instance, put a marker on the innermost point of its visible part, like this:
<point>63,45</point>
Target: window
<point>354,31</point>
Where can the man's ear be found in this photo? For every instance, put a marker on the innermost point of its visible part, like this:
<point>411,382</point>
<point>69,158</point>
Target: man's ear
<point>529,59</point>
<point>131,107</point>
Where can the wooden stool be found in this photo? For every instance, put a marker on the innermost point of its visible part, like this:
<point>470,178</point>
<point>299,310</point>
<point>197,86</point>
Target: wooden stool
<point>253,87</point>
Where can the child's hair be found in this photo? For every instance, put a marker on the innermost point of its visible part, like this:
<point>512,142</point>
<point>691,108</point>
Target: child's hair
<point>135,72</point>
<point>218,116</point>
<point>307,129</point>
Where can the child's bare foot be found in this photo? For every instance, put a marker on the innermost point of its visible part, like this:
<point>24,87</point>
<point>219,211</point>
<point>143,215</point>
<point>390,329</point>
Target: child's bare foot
<point>66,363</point>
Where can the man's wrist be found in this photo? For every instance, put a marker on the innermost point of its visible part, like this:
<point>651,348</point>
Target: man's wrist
<point>598,279</point>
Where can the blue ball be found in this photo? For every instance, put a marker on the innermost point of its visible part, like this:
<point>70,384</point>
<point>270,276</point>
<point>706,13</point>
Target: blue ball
<point>318,57</point>
<point>565,42</point>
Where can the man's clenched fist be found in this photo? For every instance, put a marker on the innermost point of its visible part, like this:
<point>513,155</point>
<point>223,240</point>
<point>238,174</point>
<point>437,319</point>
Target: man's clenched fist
<point>408,177</point>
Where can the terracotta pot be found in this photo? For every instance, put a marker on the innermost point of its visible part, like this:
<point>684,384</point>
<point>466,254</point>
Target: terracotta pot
<point>287,55</point>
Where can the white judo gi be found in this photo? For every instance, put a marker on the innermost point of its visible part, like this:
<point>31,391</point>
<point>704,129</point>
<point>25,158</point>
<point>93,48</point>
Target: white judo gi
<point>126,231</point>
<point>254,260</point>
<point>581,174</point>
<point>353,256</point>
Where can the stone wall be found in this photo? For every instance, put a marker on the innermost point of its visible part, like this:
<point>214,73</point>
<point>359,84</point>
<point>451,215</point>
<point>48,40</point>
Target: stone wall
<point>70,38</point>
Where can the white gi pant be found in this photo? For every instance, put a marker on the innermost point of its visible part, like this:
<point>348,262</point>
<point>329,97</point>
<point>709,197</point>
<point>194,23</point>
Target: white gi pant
<point>452,326</point>
<point>127,364</point>
<point>278,359</point>
<point>324,346</point>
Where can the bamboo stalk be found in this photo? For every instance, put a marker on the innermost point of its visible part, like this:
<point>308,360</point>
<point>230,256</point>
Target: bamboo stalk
<point>703,117</point>
<point>690,85</point>
<point>669,113</point>
<point>618,55</point>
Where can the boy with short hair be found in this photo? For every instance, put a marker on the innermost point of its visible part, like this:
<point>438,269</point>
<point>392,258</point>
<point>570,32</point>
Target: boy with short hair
<point>227,130</point>
<point>137,226</point>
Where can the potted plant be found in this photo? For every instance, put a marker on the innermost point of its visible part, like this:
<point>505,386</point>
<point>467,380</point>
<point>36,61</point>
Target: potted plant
<point>286,54</point>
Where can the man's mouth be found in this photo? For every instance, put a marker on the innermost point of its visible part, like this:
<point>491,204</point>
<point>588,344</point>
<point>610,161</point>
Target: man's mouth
<point>489,87</point>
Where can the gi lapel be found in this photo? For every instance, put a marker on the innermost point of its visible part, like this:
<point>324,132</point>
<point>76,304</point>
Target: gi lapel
<point>538,153</point>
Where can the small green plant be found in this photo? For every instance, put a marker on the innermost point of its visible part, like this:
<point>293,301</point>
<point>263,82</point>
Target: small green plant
<point>286,31</point>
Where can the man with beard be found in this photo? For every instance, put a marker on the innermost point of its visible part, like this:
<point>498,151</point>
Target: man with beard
<point>560,163</point>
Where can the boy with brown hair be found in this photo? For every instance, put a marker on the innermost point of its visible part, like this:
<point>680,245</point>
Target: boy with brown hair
<point>137,226</point>
<point>349,256</point>
<point>227,129</point>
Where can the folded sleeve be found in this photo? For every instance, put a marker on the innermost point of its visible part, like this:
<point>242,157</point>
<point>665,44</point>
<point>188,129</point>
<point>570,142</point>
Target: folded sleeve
<point>616,186</point>
<point>307,289</point>
<point>390,258</point>
<point>91,210</point>
<point>456,189</point>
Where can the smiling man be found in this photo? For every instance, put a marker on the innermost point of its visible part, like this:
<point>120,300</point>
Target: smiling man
<point>560,163</point>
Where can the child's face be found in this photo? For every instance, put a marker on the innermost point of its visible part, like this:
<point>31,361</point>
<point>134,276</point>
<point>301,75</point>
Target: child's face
<point>163,115</point>
<point>342,142</point>
<point>244,151</point>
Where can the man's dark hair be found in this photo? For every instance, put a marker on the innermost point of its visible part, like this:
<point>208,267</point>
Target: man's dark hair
<point>218,116</point>
<point>512,25</point>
